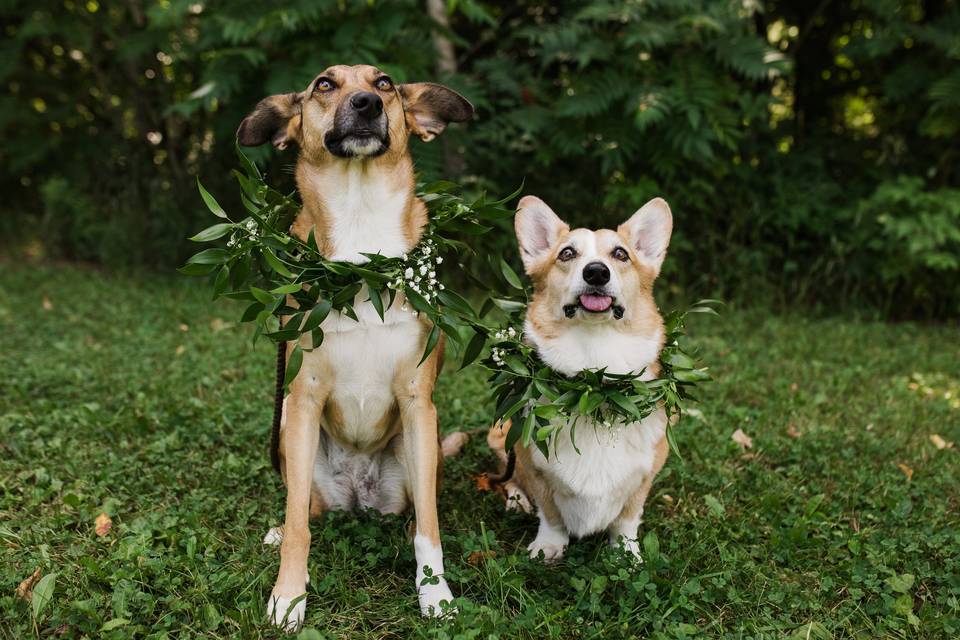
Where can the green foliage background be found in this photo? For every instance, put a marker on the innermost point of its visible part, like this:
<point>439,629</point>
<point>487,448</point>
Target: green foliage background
<point>808,149</point>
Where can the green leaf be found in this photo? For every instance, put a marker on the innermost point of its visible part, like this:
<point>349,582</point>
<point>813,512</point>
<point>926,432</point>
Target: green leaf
<point>474,347</point>
<point>417,301</point>
<point>294,361</point>
<point>263,296</point>
<point>516,364</point>
<point>624,403</point>
<point>211,202</point>
<point>284,289</point>
<point>317,315</point>
<point>214,232</point>
<point>715,506</point>
<point>901,583</point>
<point>222,281</point>
<point>457,303</point>
<point>432,340</point>
<point>511,276</point>
<point>196,269</point>
<point>375,299</point>
<point>276,264</point>
<point>43,594</point>
<point>209,256</point>
<point>513,436</point>
<point>528,423</point>
<point>115,623</point>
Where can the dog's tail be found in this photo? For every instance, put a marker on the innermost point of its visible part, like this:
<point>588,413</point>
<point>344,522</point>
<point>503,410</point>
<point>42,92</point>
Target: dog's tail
<point>278,407</point>
<point>497,440</point>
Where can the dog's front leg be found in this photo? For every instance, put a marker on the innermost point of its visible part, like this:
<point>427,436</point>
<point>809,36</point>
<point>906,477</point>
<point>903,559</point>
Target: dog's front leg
<point>301,432</point>
<point>421,451</point>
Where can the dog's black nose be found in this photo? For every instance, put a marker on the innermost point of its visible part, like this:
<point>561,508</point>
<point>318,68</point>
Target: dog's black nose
<point>368,105</point>
<point>596,273</point>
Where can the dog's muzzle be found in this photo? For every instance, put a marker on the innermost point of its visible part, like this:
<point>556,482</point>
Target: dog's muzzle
<point>359,128</point>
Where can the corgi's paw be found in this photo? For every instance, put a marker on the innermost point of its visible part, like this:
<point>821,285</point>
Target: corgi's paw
<point>274,537</point>
<point>432,595</point>
<point>551,549</point>
<point>287,613</point>
<point>630,546</point>
<point>516,499</point>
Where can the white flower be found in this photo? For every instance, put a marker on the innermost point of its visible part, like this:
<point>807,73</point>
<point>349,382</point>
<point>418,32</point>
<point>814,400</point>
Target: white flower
<point>511,332</point>
<point>433,274</point>
<point>426,249</point>
<point>423,270</point>
<point>439,260</point>
<point>442,287</point>
<point>408,273</point>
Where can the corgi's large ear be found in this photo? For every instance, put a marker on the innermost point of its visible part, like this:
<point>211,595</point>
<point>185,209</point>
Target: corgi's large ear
<point>648,232</point>
<point>538,228</point>
<point>271,120</point>
<point>430,107</point>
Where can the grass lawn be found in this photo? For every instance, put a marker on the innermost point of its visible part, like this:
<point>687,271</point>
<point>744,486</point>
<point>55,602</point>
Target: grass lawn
<point>137,397</point>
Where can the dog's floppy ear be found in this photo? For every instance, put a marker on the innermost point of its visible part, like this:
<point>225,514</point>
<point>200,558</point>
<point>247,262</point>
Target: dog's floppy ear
<point>430,107</point>
<point>538,229</point>
<point>270,121</point>
<point>648,232</point>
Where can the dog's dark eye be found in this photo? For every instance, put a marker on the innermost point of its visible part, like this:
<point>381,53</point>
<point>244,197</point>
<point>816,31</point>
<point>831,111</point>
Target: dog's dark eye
<point>620,254</point>
<point>568,253</point>
<point>324,85</point>
<point>384,83</point>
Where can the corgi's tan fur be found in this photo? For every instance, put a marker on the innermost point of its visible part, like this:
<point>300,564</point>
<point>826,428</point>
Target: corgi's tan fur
<point>592,308</point>
<point>359,427</point>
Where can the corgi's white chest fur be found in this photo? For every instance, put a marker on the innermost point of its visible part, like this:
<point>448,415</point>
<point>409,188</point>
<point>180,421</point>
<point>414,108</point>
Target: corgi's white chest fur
<point>591,487</point>
<point>366,216</point>
<point>598,346</point>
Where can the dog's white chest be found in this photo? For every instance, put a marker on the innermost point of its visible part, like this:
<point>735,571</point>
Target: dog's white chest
<point>598,347</point>
<point>364,355</point>
<point>369,218</point>
<point>591,487</point>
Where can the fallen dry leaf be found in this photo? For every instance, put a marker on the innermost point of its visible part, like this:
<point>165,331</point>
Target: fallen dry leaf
<point>25,589</point>
<point>667,498</point>
<point>793,432</point>
<point>907,471</point>
<point>483,482</point>
<point>180,350</point>
<point>794,386</point>
<point>477,557</point>
<point>219,324</point>
<point>184,327</point>
<point>742,439</point>
<point>47,305</point>
<point>103,524</point>
<point>939,442</point>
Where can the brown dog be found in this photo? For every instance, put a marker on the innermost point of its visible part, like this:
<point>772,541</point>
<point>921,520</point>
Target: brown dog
<point>359,428</point>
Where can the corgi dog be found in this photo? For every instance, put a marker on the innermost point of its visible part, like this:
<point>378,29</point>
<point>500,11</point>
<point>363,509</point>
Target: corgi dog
<point>592,308</point>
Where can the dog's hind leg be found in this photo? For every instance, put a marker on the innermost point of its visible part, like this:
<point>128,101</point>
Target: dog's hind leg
<point>286,606</point>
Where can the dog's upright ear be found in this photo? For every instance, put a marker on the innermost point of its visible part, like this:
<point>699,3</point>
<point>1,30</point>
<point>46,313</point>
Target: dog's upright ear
<point>275,119</point>
<point>538,229</point>
<point>648,232</point>
<point>430,107</point>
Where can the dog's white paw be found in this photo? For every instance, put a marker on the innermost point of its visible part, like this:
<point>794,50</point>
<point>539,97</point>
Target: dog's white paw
<point>630,546</point>
<point>274,536</point>
<point>431,595</point>
<point>552,549</point>
<point>282,614</point>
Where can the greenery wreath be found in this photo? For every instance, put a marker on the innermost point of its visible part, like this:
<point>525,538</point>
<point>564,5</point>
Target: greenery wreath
<point>547,401</point>
<point>264,265</point>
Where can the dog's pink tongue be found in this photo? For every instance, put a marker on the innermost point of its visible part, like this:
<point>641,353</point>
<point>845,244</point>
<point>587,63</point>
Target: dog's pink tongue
<point>596,303</point>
